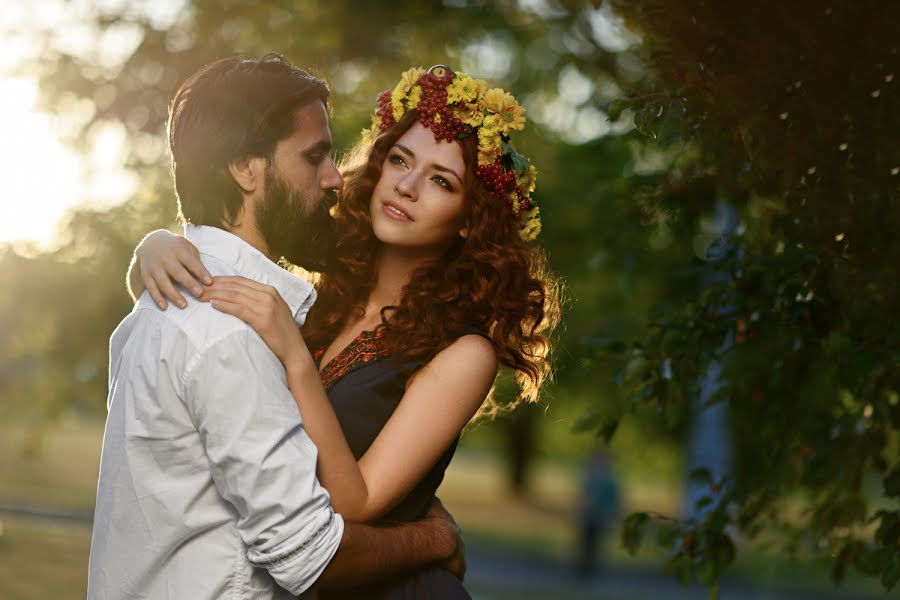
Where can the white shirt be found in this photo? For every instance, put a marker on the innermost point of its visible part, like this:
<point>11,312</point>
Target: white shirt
<point>208,484</point>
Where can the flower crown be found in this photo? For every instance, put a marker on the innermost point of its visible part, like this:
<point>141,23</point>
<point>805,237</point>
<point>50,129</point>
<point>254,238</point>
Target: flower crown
<point>455,106</point>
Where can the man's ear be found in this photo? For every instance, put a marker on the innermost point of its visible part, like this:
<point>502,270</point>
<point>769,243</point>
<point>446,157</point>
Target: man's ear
<point>249,172</point>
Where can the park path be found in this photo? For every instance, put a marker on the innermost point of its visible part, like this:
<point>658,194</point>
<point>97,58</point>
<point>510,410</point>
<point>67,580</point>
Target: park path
<point>49,514</point>
<point>541,577</point>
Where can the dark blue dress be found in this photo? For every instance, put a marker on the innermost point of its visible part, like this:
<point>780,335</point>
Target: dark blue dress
<point>365,386</point>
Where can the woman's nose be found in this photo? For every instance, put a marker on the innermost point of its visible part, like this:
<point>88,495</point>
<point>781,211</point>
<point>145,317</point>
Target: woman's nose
<point>406,185</point>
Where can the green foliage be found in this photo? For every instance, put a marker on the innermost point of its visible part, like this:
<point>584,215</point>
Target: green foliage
<point>790,111</point>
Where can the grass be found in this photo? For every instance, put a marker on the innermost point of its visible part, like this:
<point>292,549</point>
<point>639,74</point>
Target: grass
<point>60,471</point>
<point>40,559</point>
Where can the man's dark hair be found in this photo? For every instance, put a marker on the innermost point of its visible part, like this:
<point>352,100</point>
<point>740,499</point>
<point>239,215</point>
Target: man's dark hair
<point>231,108</point>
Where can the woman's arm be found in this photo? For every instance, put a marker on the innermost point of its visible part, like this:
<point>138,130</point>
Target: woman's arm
<point>437,404</point>
<point>162,259</point>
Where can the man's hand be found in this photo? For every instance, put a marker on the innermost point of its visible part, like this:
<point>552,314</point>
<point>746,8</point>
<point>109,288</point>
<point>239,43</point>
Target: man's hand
<point>456,564</point>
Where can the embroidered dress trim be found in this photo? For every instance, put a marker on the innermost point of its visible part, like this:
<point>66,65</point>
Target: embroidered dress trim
<point>365,348</point>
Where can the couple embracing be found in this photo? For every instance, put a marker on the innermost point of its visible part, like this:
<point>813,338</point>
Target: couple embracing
<point>246,458</point>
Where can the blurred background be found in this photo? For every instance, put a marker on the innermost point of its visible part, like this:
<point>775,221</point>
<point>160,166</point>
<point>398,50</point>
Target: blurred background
<point>719,187</point>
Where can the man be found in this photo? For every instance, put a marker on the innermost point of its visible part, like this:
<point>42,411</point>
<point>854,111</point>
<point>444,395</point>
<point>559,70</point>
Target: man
<point>207,481</point>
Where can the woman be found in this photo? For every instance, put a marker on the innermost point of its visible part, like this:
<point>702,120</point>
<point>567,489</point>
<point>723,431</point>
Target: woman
<point>434,286</point>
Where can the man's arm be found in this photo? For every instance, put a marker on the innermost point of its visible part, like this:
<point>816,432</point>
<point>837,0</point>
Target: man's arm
<point>260,458</point>
<point>369,553</point>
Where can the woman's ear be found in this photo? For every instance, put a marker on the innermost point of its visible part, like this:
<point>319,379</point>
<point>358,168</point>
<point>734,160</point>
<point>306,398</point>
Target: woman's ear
<point>464,226</point>
<point>248,172</point>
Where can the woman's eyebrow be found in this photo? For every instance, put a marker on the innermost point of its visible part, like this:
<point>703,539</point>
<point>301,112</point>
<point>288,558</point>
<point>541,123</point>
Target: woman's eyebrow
<point>436,166</point>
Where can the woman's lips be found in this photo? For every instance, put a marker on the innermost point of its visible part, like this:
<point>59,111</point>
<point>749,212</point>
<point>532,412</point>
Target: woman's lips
<point>394,212</point>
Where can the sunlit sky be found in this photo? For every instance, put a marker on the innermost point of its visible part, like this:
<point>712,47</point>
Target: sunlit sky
<point>45,178</point>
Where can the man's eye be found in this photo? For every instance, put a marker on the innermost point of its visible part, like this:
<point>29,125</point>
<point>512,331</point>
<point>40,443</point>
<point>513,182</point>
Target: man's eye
<point>315,159</point>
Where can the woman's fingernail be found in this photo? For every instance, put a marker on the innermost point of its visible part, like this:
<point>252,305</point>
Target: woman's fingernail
<point>198,291</point>
<point>207,280</point>
<point>162,305</point>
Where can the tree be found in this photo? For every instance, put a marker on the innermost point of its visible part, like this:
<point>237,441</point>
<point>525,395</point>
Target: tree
<point>788,111</point>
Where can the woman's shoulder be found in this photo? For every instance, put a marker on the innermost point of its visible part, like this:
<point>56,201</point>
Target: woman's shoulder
<point>459,375</point>
<point>473,351</point>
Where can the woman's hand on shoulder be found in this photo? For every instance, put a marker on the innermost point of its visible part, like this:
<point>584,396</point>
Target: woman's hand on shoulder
<point>261,307</point>
<point>165,259</point>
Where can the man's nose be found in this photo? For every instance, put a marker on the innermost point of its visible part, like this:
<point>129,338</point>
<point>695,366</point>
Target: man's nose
<point>331,179</point>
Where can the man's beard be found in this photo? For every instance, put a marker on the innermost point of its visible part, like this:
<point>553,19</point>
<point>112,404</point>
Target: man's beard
<point>296,227</point>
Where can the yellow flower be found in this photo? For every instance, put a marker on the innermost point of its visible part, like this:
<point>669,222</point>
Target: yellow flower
<point>462,89</point>
<point>510,114</point>
<point>515,203</point>
<point>470,114</point>
<point>489,135</point>
<point>490,125</point>
<point>489,130</point>
<point>488,156</point>
<point>437,118</point>
<point>489,144</point>
<point>405,87</point>
<point>512,117</point>
<point>531,224</point>
<point>496,98</point>
<point>409,79</point>
<point>397,108</point>
<point>415,96</point>
<point>527,180</point>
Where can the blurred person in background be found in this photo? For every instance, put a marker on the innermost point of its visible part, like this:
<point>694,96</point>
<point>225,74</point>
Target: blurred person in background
<point>208,484</point>
<point>600,506</point>
<point>434,284</point>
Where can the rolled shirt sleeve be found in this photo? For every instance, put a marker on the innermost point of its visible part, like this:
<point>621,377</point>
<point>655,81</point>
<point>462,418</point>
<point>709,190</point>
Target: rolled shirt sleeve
<point>262,461</point>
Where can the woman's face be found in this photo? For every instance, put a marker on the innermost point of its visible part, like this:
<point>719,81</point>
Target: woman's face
<point>419,200</point>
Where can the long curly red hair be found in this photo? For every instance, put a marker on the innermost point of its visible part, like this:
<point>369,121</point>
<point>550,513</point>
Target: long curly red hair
<point>491,281</point>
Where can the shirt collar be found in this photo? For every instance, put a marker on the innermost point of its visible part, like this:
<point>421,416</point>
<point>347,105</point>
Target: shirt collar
<point>253,264</point>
